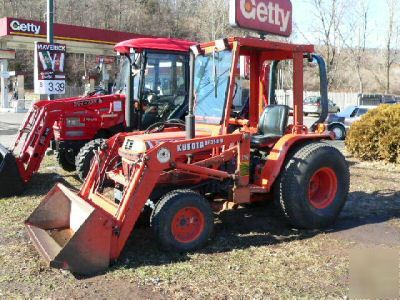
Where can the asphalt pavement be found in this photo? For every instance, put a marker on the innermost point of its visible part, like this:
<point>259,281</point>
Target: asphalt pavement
<point>9,125</point>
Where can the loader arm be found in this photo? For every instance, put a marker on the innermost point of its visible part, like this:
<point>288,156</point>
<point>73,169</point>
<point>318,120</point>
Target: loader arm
<point>34,138</point>
<point>38,128</point>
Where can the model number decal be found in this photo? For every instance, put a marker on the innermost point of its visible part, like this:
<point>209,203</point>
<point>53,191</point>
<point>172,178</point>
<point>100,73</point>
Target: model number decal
<point>87,102</point>
<point>198,145</point>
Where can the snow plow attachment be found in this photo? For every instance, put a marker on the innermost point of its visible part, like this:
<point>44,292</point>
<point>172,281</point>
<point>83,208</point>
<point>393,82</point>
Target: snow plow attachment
<point>11,182</point>
<point>70,233</point>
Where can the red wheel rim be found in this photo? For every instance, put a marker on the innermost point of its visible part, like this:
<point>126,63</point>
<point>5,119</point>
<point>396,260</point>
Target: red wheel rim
<point>322,188</point>
<point>187,224</point>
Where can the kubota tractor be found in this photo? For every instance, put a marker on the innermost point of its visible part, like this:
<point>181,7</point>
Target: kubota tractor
<point>219,162</point>
<point>152,87</point>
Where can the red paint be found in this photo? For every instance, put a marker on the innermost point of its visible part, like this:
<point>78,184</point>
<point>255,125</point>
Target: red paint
<point>155,44</point>
<point>47,119</point>
<point>265,16</point>
<point>38,29</point>
<point>187,224</point>
<point>322,188</point>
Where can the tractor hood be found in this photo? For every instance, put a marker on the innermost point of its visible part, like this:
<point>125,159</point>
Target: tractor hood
<point>139,144</point>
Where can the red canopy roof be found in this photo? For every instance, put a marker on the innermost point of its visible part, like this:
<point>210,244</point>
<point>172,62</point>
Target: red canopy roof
<point>154,44</point>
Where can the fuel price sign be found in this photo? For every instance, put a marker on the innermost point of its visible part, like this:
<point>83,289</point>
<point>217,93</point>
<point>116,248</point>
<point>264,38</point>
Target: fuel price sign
<point>50,68</point>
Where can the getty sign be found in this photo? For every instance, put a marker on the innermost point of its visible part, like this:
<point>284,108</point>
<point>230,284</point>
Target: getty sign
<point>17,25</point>
<point>264,16</point>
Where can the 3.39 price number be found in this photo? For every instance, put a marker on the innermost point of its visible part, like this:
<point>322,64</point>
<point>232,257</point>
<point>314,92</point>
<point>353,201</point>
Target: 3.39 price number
<point>56,87</point>
<point>52,87</point>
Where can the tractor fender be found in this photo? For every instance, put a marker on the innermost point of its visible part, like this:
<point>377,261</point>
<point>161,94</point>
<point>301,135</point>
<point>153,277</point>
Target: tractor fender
<point>280,152</point>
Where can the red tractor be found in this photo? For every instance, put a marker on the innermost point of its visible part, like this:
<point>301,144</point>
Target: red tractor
<point>152,88</point>
<point>219,162</point>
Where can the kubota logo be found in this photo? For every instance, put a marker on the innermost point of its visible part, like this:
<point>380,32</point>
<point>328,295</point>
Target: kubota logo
<point>266,12</point>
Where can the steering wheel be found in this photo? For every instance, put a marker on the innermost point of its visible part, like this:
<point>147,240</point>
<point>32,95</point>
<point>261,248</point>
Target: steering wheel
<point>149,92</point>
<point>160,126</point>
<point>99,92</point>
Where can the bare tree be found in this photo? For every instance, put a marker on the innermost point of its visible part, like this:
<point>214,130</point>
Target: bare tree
<point>392,36</point>
<point>358,41</point>
<point>331,15</point>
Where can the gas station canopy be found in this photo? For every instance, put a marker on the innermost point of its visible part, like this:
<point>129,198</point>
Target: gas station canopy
<point>21,34</point>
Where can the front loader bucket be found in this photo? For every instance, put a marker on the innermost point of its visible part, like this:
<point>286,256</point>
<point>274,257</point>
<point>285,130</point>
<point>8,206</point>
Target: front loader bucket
<point>70,233</point>
<point>11,183</point>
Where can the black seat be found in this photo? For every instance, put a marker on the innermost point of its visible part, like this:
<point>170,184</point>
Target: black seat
<point>272,125</point>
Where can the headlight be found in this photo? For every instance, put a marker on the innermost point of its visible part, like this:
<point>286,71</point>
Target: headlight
<point>136,146</point>
<point>74,122</point>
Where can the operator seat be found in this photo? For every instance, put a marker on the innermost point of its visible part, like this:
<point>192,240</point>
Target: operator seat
<point>271,127</point>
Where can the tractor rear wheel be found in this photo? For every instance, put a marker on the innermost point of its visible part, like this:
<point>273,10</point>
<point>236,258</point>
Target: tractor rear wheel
<point>313,186</point>
<point>182,221</point>
<point>84,158</point>
<point>66,159</point>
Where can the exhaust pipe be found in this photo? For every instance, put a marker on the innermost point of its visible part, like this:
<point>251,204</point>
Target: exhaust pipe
<point>323,90</point>
<point>70,233</point>
<point>190,119</point>
<point>129,98</point>
<point>11,183</point>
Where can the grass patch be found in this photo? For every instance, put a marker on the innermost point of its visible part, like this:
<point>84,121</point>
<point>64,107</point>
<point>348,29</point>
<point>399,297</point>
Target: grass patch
<point>253,254</point>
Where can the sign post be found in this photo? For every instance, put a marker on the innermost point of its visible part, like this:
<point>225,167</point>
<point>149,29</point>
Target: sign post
<point>50,27</point>
<point>262,16</point>
<point>50,68</point>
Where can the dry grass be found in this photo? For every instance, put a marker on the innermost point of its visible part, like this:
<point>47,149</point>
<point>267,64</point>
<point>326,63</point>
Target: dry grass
<point>254,254</point>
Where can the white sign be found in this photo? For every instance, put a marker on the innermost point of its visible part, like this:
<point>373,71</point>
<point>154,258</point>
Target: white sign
<point>50,87</point>
<point>5,74</point>
<point>50,68</point>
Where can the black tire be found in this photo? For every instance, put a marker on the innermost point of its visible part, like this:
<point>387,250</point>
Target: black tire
<point>169,208</point>
<point>84,158</point>
<point>66,159</point>
<point>306,114</point>
<point>340,132</point>
<point>294,185</point>
<point>11,183</point>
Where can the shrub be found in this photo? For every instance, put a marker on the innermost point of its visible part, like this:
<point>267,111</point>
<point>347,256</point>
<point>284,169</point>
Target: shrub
<point>376,136</point>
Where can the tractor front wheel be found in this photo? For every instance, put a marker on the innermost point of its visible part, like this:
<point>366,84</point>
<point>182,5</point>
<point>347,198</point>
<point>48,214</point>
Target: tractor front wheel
<point>84,158</point>
<point>66,159</point>
<point>182,221</point>
<point>314,186</point>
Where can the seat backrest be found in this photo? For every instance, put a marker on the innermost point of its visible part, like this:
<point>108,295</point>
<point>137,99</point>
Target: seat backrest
<point>274,120</point>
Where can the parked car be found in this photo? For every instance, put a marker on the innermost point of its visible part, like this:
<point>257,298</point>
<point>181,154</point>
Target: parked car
<point>340,123</point>
<point>312,105</point>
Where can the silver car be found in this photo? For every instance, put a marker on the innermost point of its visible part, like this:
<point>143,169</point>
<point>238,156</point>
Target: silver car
<point>340,123</point>
<point>312,105</point>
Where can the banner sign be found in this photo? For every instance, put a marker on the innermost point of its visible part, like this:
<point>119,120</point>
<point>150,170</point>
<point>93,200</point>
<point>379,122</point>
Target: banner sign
<point>108,60</point>
<point>50,68</point>
<point>7,54</point>
<point>263,16</point>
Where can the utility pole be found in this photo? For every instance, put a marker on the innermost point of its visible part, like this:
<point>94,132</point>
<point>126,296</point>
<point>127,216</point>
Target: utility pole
<point>50,27</point>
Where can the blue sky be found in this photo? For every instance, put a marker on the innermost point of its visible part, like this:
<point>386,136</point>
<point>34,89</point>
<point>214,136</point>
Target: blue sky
<point>377,21</point>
